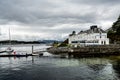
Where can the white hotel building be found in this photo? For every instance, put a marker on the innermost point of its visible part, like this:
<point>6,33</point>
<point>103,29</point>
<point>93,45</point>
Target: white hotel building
<point>93,36</point>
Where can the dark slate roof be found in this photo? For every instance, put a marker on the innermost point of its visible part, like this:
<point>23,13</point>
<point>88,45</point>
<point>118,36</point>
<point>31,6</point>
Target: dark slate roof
<point>94,30</point>
<point>72,34</point>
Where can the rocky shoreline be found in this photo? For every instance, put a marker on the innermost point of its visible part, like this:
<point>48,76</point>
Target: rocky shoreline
<point>101,50</point>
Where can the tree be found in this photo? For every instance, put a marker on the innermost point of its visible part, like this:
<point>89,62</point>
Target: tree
<point>118,31</point>
<point>114,32</point>
<point>116,24</point>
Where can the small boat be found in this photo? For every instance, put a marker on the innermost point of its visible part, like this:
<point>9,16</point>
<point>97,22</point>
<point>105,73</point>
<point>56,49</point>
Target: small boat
<point>9,50</point>
<point>40,54</point>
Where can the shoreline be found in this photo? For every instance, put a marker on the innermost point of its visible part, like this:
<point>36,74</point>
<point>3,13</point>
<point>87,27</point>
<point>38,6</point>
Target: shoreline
<point>17,45</point>
<point>101,50</point>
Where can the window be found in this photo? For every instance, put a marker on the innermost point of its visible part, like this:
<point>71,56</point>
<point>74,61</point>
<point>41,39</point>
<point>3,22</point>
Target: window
<point>82,41</point>
<point>74,41</point>
<point>101,42</point>
<point>104,42</point>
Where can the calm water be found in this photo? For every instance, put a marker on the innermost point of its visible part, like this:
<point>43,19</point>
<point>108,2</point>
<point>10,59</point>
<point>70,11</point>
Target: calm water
<point>55,68</point>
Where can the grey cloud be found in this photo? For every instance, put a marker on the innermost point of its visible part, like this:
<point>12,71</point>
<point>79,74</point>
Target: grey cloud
<point>23,11</point>
<point>97,2</point>
<point>43,15</point>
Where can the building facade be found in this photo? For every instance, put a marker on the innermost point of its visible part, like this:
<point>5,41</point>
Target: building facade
<point>93,36</point>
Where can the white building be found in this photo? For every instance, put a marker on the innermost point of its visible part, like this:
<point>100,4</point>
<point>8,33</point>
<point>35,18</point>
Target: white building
<point>93,36</point>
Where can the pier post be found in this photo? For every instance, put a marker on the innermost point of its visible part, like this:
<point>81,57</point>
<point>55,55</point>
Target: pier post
<point>32,49</point>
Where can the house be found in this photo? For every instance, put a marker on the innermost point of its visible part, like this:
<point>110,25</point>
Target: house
<point>93,36</point>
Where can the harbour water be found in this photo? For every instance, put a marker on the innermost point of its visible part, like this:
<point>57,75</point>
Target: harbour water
<point>50,67</point>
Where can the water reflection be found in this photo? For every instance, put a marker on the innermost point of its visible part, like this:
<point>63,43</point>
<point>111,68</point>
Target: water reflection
<point>59,69</point>
<point>50,67</point>
<point>95,64</point>
<point>116,67</point>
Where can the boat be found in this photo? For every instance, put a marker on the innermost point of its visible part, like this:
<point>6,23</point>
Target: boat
<point>9,49</point>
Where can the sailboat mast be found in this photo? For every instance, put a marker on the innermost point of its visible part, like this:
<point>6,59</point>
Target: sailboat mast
<point>9,37</point>
<point>0,31</point>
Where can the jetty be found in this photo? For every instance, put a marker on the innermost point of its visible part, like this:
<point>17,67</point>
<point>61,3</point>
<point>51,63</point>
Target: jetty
<point>23,53</point>
<point>17,55</point>
<point>93,50</point>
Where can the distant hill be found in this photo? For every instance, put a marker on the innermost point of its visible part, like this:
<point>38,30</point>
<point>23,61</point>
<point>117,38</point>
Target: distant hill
<point>114,32</point>
<point>28,42</point>
<point>49,41</point>
<point>5,42</point>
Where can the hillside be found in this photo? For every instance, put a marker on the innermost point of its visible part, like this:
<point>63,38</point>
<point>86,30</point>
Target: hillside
<point>114,32</point>
<point>13,42</point>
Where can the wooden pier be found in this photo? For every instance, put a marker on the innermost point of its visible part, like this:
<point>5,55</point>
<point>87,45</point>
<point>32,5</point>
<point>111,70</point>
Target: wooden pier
<point>35,52</point>
<point>17,55</point>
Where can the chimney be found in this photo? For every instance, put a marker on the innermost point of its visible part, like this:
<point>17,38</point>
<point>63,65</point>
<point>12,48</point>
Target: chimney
<point>93,27</point>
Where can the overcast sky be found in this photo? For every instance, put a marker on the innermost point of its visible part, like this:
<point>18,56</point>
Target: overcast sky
<point>54,19</point>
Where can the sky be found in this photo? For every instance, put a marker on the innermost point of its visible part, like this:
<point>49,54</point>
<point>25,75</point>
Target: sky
<point>54,19</point>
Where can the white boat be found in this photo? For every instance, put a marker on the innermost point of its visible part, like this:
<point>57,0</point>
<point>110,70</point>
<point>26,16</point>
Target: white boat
<point>9,49</point>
